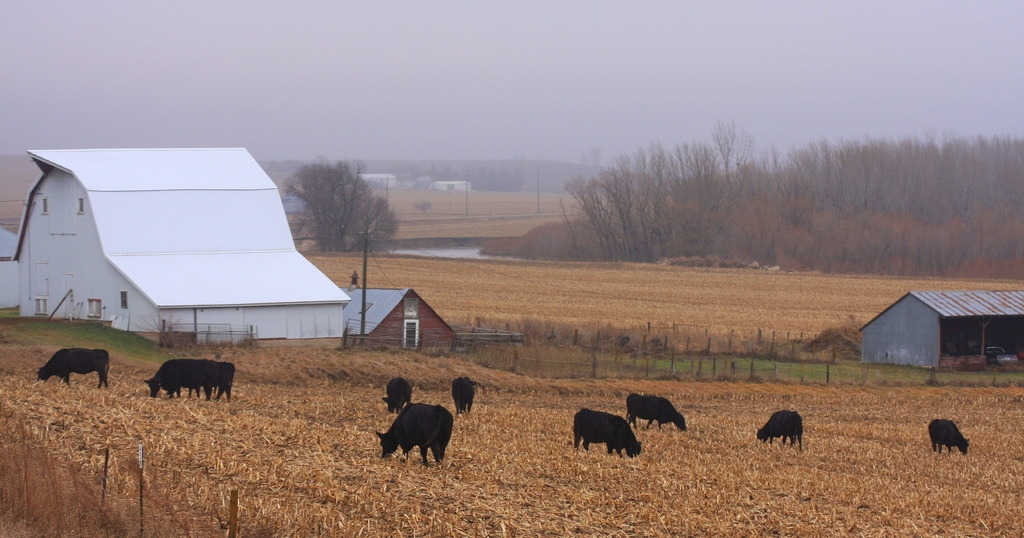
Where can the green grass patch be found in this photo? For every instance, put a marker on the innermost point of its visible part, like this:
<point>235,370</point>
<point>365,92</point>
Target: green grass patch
<point>85,334</point>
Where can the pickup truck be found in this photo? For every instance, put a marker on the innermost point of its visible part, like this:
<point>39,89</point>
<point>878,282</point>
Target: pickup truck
<point>996,355</point>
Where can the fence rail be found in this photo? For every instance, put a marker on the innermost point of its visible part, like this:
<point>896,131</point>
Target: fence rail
<point>610,363</point>
<point>179,334</point>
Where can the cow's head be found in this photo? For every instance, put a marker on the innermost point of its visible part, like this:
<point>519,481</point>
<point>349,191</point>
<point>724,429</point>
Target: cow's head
<point>680,422</point>
<point>962,445</point>
<point>388,443</point>
<point>633,449</point>
<point>154,387</point>
<point>43,374</point>
<point>762,435</point>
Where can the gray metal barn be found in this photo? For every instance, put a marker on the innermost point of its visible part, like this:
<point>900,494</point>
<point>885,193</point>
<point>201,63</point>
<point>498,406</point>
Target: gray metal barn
<point>924,326</point>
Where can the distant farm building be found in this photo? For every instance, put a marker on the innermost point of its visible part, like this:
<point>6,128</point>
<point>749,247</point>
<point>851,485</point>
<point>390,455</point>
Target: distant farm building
<point>451,186</point>
<point>924,327</point>
<point>399,318</point>
<point>8,269</point>
<point>168,239</point>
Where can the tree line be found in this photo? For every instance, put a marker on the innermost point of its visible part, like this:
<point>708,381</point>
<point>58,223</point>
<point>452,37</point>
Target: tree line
<point>910,206</point>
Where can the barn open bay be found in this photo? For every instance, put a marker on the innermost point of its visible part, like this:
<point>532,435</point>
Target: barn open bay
<point>297,442</point>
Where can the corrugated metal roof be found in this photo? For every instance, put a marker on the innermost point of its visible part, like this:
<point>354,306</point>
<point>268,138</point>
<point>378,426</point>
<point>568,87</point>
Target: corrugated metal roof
<point>159,169</point>
<point>242,278</point>
<point>164,222</point>
<point>951,304</point>
<point>379,303</point>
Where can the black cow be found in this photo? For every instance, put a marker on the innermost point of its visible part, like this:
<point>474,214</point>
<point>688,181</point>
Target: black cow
<point>944,432</point>
<point>601,427</point>
<point>651,408</point>
<point>399,394</point>
<point>176,374</point>
<point>77,361</point>
<point>224,378</point>
<point>785,424</point>
<point>426,426</point>
<point>463,390</point>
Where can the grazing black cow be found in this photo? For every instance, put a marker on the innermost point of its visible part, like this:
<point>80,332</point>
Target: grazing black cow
<point>463,390</point>
<point>426,426</point>
<point>601,427</point>
<point>785,424</point>
<point>651,408</point>
<point>224,378</point>
<point>175,374</point>
<point>944,433</point>
<point>77,361</point>
<point>399,394</point>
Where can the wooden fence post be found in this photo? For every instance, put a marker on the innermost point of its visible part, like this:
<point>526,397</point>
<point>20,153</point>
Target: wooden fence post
<point>709,347</point>
<point>593,363</point>
<point>515,359</point>
<point>700,366</point>
<point>828,373</point>
<point>233,515</point>
<point>672,357</point>
<point>106,465</point>
<point>142,466</point>
<point>801,372</point>
<point>575,335</point>
<point>714,367</point>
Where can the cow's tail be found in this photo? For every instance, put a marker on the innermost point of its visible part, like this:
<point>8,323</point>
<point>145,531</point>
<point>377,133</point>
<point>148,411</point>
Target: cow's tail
<point>443,422</point>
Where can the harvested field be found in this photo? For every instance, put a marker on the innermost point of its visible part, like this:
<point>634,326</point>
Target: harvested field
<point>624,295</point>
<point>297,441</point>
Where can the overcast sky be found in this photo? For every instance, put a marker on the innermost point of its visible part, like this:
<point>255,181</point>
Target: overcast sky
<point>477,80</point>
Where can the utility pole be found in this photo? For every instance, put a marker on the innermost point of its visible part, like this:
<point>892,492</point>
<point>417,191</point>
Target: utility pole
<point>366,249</point>
<point>467,198</point>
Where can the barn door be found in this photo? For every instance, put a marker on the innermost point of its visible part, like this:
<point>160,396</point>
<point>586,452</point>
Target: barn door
<point>69,302</point>
<point>41,286</point>
<point>410,337</point>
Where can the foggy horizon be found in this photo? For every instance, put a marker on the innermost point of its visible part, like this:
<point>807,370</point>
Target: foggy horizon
<point>534,80</point>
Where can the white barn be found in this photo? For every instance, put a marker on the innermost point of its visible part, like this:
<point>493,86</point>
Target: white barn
<point>146,237</point>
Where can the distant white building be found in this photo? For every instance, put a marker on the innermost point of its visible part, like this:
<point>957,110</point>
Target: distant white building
<point>8,269</point>
<point>144,237</point>
<point>451,186</point>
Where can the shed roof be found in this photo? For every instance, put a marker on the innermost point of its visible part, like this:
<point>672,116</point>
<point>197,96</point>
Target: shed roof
<point>193,227</point>
<point>951,304</point>
<point>379,303</point>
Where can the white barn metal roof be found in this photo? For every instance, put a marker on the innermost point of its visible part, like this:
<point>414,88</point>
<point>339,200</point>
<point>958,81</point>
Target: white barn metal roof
<point>973,303</point>
<point>194,227</point>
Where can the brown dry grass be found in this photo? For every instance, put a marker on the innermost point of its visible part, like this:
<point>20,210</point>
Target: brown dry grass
<point>490,214</point>
<point>298,442</point>
<point>624,296</point>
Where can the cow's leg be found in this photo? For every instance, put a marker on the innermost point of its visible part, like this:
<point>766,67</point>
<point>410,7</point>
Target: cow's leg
<point>423,453</point>
<point>67,379</point>
<point>649,422</point>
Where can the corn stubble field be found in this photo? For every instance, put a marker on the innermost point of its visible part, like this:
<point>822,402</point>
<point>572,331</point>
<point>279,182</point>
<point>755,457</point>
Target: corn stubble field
<point>298,443</point>
<point>628,295</point>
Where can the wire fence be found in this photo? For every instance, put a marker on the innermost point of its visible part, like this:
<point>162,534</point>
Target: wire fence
<point>547,362</point>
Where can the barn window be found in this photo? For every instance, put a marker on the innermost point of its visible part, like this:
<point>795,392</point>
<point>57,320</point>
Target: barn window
<point>412,308</point>
<point>40,306</point>
<point>410,338</point>
<point>95,308</point>
<point>81,206</point>
<point>46,206</point>
<point>124,299</point>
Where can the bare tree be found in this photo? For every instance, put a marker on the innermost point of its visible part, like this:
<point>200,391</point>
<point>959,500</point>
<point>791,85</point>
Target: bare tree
<point>337,203</point>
